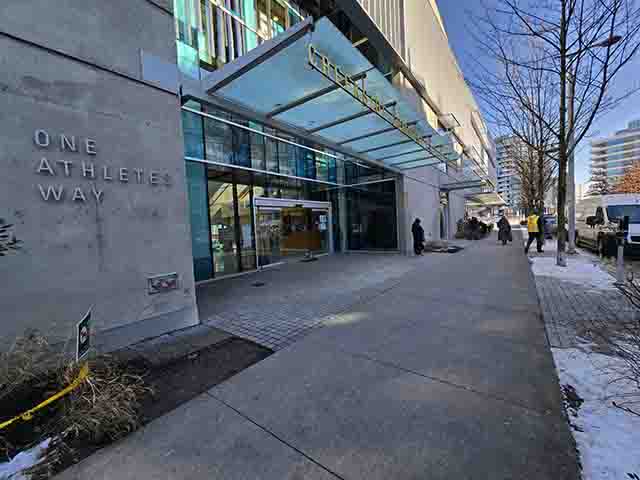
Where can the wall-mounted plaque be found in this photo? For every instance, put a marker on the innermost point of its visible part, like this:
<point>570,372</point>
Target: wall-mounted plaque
<point>162,283</point>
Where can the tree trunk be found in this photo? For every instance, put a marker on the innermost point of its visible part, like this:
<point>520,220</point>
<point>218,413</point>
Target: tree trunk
<point>562,144</point>
<point>541,175</point>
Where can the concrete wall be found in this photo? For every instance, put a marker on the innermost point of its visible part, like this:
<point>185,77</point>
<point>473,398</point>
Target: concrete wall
<point>388,16</point>
<point>433,62</point>
<point>430,57</point>
<point>420,198</point>
<point>76,70</point>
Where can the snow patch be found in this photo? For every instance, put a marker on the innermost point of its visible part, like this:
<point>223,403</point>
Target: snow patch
<point>577,271</point>
<point>13,470</point>
<point>607,437</point>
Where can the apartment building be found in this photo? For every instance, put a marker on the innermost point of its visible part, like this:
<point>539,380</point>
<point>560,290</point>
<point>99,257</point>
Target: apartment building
<point>612,156</point>
<point>509,186</point>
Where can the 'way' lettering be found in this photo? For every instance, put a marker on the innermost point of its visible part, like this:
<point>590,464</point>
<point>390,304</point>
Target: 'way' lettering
<point>51,192</point>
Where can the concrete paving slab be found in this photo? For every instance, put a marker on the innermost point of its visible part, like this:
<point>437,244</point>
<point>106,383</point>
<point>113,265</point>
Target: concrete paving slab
<point>487,363</point>
<point>363,419</point>
<point>435,369</point>
<point>203,439</point>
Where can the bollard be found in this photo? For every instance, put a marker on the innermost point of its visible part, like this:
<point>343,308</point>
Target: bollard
<point>621,234</point>
<point>620,277</point>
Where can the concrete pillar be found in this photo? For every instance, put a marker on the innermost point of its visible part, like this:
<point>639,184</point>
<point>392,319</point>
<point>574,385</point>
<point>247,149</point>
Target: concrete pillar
<point>343,219</point>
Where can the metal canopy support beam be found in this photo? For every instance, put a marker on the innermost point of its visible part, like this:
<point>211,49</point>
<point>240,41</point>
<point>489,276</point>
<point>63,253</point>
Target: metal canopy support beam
<point>415,160</point>
<point>312,96</point>
<point>419,166</point>
<point>348,119</point>
<point>462,185</point>
<point>399,155</point>
<point>368,135</point>
<point>403,142</point>
<point>373,134</point>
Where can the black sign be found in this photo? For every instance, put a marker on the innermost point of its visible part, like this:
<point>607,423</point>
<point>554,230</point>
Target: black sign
<point>83,336</point>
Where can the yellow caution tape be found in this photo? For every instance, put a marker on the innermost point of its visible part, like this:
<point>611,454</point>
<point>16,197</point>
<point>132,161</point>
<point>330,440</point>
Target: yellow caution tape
<point>28,415</point>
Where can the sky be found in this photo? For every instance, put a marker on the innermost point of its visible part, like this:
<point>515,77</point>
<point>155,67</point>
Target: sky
<point>460,30</point>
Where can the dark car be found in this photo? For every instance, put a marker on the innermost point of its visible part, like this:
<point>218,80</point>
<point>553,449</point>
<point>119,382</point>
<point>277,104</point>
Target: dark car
<point>550,226</point>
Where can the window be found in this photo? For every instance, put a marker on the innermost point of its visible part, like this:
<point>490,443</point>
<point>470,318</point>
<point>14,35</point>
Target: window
<point>278,18</point>
<point>617,212</point>
<point>210,33</point>
<point>286,157</point>
<point>224,235</point>
<point>198,213</point>
<point>219,141</point>
<point>257,148</point>
<point>241,147</point>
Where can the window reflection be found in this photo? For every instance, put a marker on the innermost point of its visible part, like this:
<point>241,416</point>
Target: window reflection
<point>209,34</point>
<point>245,217</point>
<point>224,241</point>
<point>372,217</point>
<point>278,18</point>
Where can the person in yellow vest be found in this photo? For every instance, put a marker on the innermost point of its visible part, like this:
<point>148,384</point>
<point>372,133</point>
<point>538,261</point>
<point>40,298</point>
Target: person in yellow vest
<point>534,227</point>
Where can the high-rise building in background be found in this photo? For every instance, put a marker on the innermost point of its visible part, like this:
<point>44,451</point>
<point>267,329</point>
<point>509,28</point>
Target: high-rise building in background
<point>582,190</point>
<point>509,186</point>
<point>612,156</point>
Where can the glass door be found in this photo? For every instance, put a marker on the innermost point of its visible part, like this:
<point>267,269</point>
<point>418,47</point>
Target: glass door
<point>320,228</point>
<point>224,238</point>
<point>268,226</point>
<point>289,229</point>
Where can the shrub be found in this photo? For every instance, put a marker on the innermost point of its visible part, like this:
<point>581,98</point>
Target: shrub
<point>105,407</point>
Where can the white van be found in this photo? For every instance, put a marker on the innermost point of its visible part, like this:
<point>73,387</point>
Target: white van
<point>597,220</point>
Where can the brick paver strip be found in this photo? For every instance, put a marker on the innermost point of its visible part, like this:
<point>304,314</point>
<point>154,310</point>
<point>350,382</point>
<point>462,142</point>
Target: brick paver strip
<point>297,298</point>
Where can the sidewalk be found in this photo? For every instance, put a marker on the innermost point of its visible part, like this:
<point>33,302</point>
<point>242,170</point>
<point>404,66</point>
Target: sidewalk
<point>588,323</point>
<point>443,374</point>
<point>574,298</point>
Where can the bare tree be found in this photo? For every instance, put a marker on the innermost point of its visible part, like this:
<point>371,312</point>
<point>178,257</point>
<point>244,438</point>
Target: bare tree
<point>510,94</point>
<point>577,47</point>
<point>534,171</point>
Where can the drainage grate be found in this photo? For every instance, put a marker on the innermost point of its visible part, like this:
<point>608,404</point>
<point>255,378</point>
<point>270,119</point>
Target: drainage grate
<point>258,284</point>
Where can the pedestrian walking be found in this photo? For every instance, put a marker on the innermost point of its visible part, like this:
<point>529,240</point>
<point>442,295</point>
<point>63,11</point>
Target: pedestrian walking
<point>504,230</point>
<point>418,237</point>
<point>534,227</point>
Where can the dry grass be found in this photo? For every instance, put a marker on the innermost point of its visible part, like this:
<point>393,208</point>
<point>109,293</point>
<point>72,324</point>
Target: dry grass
<point>28,359</point>
<point>104,408</point>
<point>619,336</point>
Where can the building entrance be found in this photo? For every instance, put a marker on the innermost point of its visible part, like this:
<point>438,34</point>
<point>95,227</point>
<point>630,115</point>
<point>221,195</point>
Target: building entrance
<point>291,228</point>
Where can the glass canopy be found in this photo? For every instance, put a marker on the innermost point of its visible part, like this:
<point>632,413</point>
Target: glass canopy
<point>312,77</point>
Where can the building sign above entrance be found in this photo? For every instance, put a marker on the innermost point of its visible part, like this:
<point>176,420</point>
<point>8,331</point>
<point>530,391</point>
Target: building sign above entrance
<point>357,90</point>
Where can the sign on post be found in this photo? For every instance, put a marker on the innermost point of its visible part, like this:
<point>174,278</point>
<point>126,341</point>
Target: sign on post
<point>83,335</point>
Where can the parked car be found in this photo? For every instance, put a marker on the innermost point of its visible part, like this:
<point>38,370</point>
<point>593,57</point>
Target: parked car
<point>598,218</point>
<point>550,226</point>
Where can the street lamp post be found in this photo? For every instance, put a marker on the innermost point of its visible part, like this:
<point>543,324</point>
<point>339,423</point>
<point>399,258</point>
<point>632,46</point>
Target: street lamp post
<point>571,180</point>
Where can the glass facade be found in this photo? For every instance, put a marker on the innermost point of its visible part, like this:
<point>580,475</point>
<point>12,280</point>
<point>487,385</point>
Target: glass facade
<point>211,33</point>
<point>611,158</point>
<point>232,161</point>
<point>231,234</point>
<point>233,140</point>
<point>371,217</point>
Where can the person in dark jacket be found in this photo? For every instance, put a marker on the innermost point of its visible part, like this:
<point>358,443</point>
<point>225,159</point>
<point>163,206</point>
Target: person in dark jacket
<point>418,237</point>
<point>504,230</point>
